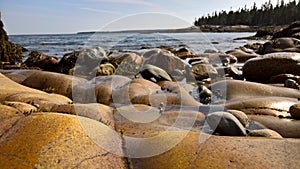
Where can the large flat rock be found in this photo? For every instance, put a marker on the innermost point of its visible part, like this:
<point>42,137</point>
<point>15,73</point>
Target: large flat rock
<point>55,141</point>
<point>223,152</point>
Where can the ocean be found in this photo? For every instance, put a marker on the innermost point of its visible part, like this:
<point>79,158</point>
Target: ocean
<point>59,44</point>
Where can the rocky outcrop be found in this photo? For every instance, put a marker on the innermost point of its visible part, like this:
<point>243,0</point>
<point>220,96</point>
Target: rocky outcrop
<point>9,52</point>
<point>292,30</point>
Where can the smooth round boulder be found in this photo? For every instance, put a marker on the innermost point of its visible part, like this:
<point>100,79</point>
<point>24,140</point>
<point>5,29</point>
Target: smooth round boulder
<point>220,58</point>
<point>12,91</point>
<point>226,124</point>
<point>199,150</point>
<point>98,112</point>
<point>42,61</point>
<point>178,75</point>
<point>138,120</point>
<point>68,62</point>
<point>285,127</point>
<point>204,93</point>
<point>204,71</point>
<point>154,73</point>
<point>115,81</point>
<point>231,71</point>
<point>22,107</point>
<point>105,69</point>
<point>295,111</point>
<point>184,53</point>
<point>172,93</point>
<point>90,57</point>
<point>241,116</point>
<point>137,87</point>
<point>163,59</point>
<point>241,55</point>
<point>129,65</point>
<point>283,77</point>
<point>17,75</point>
<point>261,69</point>
<point>264,133</point>
<point>91,93</point>
<point>237,90</point>
<point>53,82</point>
<point>272,106</point>
<point>290,83</point>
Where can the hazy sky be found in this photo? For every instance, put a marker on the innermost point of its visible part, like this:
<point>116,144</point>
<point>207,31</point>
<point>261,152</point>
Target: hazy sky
<point>70,16</point>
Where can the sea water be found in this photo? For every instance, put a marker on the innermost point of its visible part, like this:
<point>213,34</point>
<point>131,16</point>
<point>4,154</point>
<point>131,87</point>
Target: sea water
<point>59,44</point>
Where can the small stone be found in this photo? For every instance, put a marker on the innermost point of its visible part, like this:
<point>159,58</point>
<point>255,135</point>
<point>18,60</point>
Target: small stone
<point>42,61</point>
<point>290,83</point>
<point>204,93</point>
<point>204,71</point>
<point>241,116</point>
<point>154,74</point>
<point>105,69</point>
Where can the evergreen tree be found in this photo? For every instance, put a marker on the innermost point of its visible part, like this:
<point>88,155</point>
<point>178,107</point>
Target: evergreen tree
<point>281,14</point>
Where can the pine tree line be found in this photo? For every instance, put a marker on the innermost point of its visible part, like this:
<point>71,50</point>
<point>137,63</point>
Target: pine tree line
<point>281,14</point>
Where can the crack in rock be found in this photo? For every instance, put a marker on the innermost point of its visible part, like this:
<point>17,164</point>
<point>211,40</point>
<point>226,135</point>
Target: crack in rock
<point>90,158</point>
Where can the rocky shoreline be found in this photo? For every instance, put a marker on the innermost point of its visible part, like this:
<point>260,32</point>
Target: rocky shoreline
<point>154,108</point>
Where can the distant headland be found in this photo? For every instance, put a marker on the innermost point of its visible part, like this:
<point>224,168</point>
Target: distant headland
<point>203,28</point>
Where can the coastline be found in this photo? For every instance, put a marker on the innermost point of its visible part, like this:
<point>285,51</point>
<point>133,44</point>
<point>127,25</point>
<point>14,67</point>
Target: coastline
<point>204,28</point>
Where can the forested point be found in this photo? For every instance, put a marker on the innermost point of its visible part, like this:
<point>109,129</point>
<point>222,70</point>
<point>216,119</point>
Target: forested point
<point>268,15</point>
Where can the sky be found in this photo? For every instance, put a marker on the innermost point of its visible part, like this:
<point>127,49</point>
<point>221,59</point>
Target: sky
<point>71,16</point>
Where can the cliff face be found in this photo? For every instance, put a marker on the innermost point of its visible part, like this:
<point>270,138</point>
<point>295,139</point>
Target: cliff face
<point>9,52</point>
